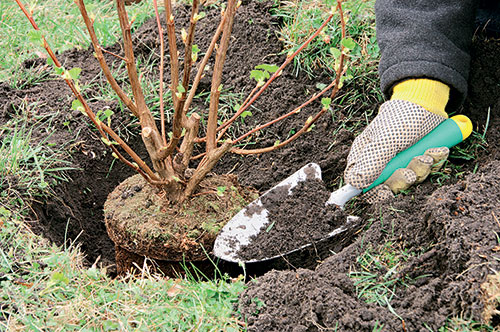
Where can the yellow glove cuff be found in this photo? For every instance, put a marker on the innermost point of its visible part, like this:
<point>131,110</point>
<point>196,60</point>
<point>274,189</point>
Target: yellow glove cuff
<point>430,94</point>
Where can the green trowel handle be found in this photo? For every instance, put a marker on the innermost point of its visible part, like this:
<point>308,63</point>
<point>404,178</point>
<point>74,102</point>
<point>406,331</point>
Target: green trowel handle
<point>449,133</point>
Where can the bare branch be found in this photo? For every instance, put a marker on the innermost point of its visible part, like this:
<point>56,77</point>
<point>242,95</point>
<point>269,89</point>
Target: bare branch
<point>145,116</point>
<point>304,129</point>
<point>335,84</point>
<point>202,66</point>
<point>192,128</point>
<point>205,166</point>
<point>162,65</point>
<point>217,75</point>
<point>101,127</point>
<point>172,48</point>
<point>278,72</point>
<point>342,55</point>
<point>178,114</point>
<point>102,62</point>
<point>188,51</point>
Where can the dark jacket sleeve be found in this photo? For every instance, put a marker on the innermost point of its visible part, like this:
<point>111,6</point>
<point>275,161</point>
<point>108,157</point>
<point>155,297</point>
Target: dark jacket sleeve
<point>425,39</point>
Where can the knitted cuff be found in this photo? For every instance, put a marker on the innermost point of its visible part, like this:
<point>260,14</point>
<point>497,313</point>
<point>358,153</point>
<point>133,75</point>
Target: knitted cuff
<point>430,94</point>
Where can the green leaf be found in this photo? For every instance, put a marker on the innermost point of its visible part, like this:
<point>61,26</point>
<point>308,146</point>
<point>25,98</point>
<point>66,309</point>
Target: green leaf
<point>321,86</point>
<point>58,277</point>
<point>4,212</point>
<point>326,102</point>
<point>259,75</point>
<point>245,114</point>
<point>106,141</point>
<point>50,62</point>
<point>348,43</point>
<point>195,49</point>
<point>36,37</point>
<point>76,105</point>
<point>335,52</point>
<point>268,68</point>
<point>180,88</point>
<point>199,16</point>
<point>221,190</point>
<point>104,115</point>
<point>74,73</point>
<point>59,70</point>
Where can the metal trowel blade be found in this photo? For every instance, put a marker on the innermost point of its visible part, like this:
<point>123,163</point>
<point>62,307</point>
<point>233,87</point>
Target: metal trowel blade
<point>252,220</point>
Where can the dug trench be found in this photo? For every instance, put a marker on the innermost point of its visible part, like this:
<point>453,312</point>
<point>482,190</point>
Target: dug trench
<point>446,226</point>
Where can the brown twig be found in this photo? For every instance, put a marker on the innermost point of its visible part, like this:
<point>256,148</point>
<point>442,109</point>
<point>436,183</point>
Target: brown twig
<point>179,122</point>
<point>278,72</point>
<point>217,76</point>
<point>145,117</point>
<point>187,146</point>
<point>342,55</point>
<point>304,129</point>
<point>111,53</point>
<point>335,84</point>
<point>102,61</point>
<point>162,65</point>
<point>202,66</point>
<point>104,130</point>
<point>188,52</point>
<point>224,129</point>
<point>172,48</point>
<point>205,166</point>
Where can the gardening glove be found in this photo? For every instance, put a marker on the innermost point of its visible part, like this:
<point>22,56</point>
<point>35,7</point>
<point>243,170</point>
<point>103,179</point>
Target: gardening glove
<point>416,107</point>
<point>416,172</point>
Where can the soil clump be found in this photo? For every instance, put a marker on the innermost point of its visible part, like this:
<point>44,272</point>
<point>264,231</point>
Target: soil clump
<point>139,219</point>
<point>295,220</point>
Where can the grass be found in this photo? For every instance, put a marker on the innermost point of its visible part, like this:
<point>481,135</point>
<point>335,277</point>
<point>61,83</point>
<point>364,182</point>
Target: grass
<point>302,17</point>
<point>378,277</point>
<point>44,287</point>
<point>28,166</point>
<point>16,48</point>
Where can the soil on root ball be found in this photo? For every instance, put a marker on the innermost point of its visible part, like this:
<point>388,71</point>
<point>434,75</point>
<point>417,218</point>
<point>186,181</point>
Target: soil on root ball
<point>422,258</point>
<point>140,220</point>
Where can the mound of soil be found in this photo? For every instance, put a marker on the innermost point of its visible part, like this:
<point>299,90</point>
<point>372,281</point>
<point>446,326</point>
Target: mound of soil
<point>446,236</point>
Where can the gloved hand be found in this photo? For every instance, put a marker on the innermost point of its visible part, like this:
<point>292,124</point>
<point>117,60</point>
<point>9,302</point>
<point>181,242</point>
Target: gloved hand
<point>399,125</point>
<point>416,172</point>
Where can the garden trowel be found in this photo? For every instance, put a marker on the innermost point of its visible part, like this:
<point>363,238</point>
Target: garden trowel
<point>253,219</point>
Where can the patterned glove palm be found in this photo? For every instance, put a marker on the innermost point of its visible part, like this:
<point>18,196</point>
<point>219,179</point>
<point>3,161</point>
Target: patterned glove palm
<point>399,125</point>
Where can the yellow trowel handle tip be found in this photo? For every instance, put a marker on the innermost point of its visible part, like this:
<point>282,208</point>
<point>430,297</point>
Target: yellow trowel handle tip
<point>464,123</point>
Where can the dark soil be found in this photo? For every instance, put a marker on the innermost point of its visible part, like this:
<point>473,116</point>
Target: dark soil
<point>449,235</point>
<point>294,220</point>
<point>448,232</point>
